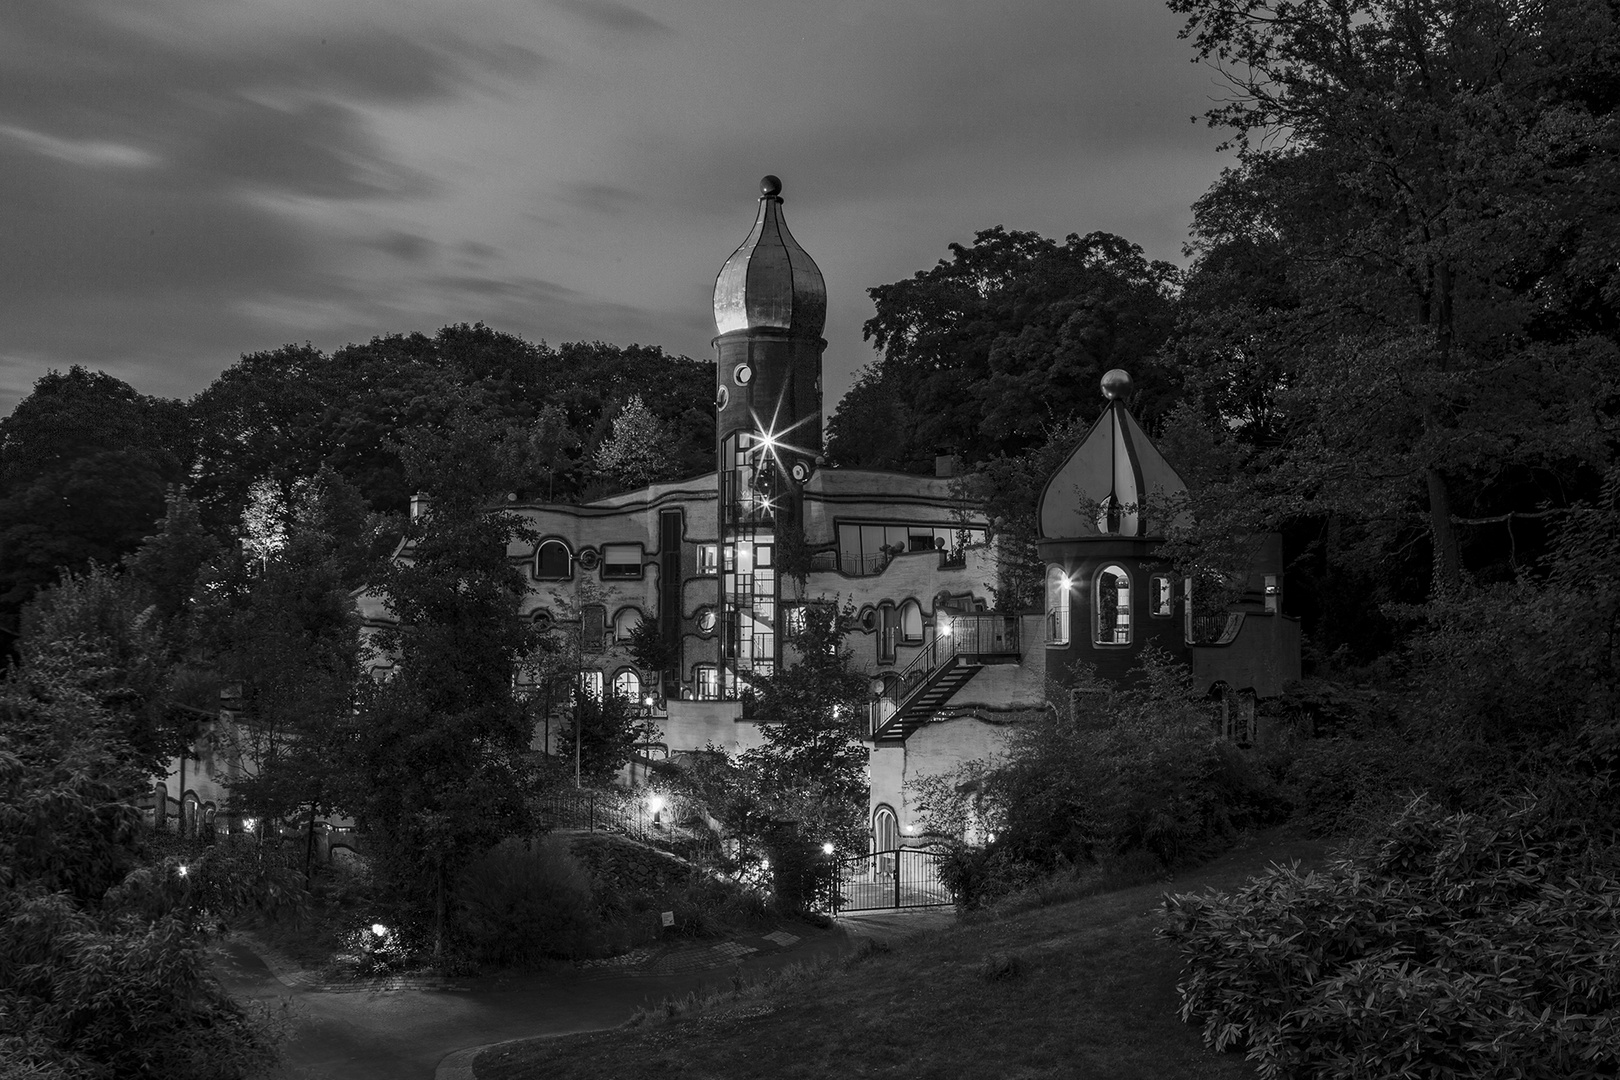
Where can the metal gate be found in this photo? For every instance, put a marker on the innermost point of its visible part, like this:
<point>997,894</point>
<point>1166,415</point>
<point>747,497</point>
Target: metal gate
<point>901,878</point>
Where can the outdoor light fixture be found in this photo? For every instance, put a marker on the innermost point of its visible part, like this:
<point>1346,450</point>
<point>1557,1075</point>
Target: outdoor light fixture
<point>655,803</point>
<point>184,870</point>
<point>827,848</point>
<point>379,929</point>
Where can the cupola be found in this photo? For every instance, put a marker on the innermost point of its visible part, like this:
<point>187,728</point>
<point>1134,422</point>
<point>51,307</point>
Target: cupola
<point>1108,484</point>
<point>770,282</point>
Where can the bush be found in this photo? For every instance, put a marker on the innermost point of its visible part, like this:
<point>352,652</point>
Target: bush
<point>525,901</point>
<point>1446,945</point>
<point>1143,772</point>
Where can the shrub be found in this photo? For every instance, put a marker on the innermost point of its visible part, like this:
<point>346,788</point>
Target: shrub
<point>1446,945</point>
<point>1142,772</point>
<point>524,901</point>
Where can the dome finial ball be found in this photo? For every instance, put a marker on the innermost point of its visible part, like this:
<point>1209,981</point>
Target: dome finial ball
<point>770,187</point>
<point>1116,384</point>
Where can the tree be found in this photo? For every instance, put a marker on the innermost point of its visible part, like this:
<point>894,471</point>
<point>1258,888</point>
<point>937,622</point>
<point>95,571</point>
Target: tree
<point>636,454</point>
<point>102,966</point>
<point>1436,181</point>
<point>292,654</point>
<point>84,464</point>
<point>982,353</point>
<point>811,768</point>
<point>442,770</point>
<point>608,729</point>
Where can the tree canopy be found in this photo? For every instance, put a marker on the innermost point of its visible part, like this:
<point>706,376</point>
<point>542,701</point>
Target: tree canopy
<point>985,350</point>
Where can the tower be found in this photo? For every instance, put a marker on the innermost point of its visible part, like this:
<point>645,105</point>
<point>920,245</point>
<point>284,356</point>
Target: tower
<point>770,305</point>
<point>1102,516</point>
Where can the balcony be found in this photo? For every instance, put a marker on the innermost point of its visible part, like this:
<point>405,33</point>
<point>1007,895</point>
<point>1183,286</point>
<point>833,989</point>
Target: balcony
<point>959,649</point>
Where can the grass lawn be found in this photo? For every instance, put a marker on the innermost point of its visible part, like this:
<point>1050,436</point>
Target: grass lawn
<point>1082,988</point>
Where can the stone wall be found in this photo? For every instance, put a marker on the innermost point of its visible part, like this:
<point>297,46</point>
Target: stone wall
<point>620,864</point>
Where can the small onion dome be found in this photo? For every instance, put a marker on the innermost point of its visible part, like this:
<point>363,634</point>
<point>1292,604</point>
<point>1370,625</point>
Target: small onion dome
<point>1113,480</point>
<point>770,282</point>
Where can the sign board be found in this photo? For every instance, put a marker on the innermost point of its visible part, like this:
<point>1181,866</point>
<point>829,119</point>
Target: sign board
<point>669,918</point>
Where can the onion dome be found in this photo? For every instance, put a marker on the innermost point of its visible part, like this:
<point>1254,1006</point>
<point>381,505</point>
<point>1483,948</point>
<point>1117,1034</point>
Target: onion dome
<point>770,283</point>
<point>1107,486</point>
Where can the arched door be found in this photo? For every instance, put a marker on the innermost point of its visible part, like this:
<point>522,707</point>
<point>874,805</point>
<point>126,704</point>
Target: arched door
<point>885,830</point>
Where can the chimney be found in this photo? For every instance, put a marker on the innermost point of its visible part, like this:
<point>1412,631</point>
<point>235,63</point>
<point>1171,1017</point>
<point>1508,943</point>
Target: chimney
<point>945,465</point>
<point>419,505</point>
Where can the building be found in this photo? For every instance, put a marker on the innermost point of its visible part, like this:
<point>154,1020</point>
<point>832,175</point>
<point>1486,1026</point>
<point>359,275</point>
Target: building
<point>722,561</point>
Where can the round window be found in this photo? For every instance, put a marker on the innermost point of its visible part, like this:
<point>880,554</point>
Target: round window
<point>721,397</point>
<point>742,373</point>
<point>705,621</point>
<point>588,558</point>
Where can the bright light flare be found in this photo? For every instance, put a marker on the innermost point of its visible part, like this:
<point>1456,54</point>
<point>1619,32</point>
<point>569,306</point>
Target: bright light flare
<point>184,870</point>
<point>655,803</point>
<point>827,848</point>
<point>379,929</point>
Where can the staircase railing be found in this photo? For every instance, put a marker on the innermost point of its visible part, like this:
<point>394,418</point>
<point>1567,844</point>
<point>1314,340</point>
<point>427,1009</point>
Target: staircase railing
<point>970,635</point>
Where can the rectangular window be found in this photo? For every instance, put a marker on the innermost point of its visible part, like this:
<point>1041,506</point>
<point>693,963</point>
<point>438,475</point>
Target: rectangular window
<point>590,684</point>
<point>621,560</point>
<point>708,561</point>
<point>708,682</point>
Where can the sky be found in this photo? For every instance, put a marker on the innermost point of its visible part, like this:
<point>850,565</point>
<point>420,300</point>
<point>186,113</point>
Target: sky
<point>185,181</point>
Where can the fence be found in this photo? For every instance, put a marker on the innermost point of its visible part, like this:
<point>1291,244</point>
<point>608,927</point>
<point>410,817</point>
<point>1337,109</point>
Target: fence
<point>881,880</point>
<point>655,820</point>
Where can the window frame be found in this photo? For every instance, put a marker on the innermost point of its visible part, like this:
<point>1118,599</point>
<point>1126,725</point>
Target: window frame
<point>623,574</point>
<point>706,689</point>
<point>621,613</point>
<point>1059,595</point>
<point>1120,573</point>
<point>621,676</point>
<point>568,556</point>
<point>1161,584</point>
<point>708,560</point>
<point>590,684</point>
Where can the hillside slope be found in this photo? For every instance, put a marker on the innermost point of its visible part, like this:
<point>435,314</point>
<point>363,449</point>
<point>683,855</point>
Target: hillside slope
<point>1084,988</point>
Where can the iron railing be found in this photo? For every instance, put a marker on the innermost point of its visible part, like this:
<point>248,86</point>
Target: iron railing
<point>969,635</point>
<point>880,880</point>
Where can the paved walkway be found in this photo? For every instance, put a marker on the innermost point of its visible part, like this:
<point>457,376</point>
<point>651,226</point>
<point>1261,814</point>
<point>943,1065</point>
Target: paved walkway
<point>413,1028</point>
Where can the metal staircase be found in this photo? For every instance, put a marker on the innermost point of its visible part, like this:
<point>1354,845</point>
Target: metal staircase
<point>962,646</point>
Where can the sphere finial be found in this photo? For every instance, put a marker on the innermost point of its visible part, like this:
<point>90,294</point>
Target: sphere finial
<point>770,187</point>
<point>1116,384</point>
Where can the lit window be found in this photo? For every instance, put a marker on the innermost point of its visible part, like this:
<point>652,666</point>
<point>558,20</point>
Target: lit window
<point>627,685</point>
<point>621,560</point>
<point>553,562</point>
<point>911,621</point>
<point>1161,600</point>
<point>708,559</point>
<point>590,684</point>
<point>1113,606</point>
<point>708,682</point>
<point>625,623</point>
<point>1057,606</point>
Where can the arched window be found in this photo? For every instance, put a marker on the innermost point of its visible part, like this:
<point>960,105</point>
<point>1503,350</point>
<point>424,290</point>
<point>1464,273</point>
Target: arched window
<point>911,621</point>
<point>1113,606</point>
<point>627,685</point>
<point>553,562</point>
<point>885,830</point>
<point>1161,596</point>
<point>625,623</point>
<point>1057,606</point>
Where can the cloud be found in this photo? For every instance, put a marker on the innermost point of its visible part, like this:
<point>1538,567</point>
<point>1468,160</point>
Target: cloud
<point>613,16</point>
<point>164,179</point>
